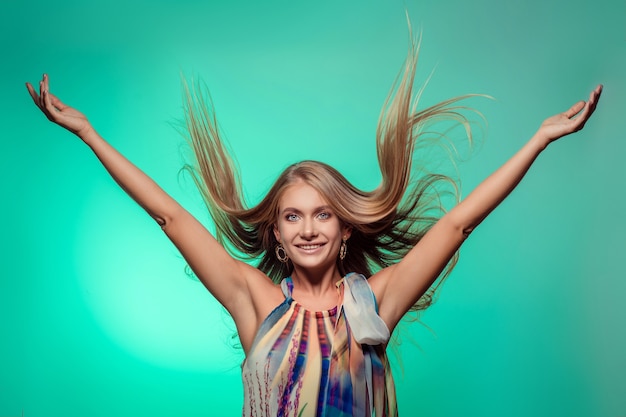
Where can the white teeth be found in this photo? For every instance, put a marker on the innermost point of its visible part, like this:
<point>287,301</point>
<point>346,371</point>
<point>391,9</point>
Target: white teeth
<point>309,247</point>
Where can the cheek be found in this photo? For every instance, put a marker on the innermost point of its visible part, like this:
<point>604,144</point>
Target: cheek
<point>335,231</point>
<point>283,230</point>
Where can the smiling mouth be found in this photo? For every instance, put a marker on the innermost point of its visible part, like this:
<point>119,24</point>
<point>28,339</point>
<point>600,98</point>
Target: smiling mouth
<point>310,247</point>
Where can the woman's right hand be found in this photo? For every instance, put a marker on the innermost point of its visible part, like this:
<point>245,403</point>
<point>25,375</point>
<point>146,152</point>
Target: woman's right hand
<point>57,112</point>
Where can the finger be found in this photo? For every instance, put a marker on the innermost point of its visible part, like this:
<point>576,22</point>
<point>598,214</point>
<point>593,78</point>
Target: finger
<point>44,88</point>
<point>598,89</point>
<point>48,108</point>
<point>51,98</point>
<point>41,90</point>
<point>46,82</point>
<point>579,122</point>
<point>58,104</point>
<point>591,105</point>
<point>594,97</point>
<point>33,94</point>
<point>589,109</point>
<point>47,102</point>
<point>575,109</point>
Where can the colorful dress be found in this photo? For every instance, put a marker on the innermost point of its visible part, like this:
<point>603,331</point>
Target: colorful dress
<point>321,363</point>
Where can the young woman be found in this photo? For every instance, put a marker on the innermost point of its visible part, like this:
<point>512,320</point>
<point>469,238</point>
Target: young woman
<point>337,267</point>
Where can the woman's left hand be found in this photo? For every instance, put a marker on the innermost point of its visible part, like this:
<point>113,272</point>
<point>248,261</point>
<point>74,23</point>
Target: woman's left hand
<point>570,121</point>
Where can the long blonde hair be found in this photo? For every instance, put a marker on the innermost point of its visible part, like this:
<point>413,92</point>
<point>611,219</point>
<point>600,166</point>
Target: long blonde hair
<point>386,222</point>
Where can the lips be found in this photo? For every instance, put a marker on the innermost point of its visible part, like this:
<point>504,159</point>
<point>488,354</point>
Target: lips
<point>310,247</point>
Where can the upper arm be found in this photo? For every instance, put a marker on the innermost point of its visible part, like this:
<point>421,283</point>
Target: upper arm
<point>247,293</point>
<point>225,277</point>
<point>399,286</point>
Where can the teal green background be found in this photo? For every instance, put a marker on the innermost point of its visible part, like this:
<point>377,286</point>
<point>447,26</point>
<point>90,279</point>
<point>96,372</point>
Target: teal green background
<point>97,317</point>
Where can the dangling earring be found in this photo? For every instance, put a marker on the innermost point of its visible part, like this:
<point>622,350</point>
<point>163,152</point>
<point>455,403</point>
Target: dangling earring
<point>343,250</point>
<point>281,254</point>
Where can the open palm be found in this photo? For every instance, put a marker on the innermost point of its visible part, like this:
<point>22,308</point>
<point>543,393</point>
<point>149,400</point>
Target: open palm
<point>572,120</point>
<point>56,111</point>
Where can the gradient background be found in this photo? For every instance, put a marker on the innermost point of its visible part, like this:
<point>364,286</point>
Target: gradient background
<point>97,317</point>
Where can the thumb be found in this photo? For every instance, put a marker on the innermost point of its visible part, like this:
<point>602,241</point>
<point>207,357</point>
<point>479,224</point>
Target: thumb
<point>54,100</point>
<point>575,109</point>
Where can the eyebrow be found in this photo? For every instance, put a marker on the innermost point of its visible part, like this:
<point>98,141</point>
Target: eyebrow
<point>316,210</point>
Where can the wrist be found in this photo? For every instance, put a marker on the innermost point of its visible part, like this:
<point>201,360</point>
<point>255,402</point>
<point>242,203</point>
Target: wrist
<point>88,135</point>
<point>539,141</point>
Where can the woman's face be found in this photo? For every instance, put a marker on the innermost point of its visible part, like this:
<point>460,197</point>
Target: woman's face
<point>308,229</point>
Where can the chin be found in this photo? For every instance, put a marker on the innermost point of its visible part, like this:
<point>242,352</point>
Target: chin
<point>312,264</point>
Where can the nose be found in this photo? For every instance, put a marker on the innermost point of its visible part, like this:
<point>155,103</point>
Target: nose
<point>308,230</point>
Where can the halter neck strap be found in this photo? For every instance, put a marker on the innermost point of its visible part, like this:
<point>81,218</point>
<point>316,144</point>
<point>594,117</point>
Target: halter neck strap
<point>286,286</point>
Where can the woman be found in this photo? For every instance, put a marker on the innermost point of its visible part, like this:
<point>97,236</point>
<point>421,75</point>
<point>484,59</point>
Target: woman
<point>338,267</point>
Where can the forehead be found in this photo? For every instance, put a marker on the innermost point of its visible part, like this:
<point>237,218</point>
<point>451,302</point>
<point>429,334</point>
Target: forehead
<point>301,195</point>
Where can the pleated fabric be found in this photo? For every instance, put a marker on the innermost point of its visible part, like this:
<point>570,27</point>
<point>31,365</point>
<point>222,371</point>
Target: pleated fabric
<point>310,363</point>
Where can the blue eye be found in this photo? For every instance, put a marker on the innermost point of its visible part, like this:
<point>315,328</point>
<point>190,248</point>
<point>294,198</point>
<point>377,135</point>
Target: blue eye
<point>323,216</point>
<point>291,217</point>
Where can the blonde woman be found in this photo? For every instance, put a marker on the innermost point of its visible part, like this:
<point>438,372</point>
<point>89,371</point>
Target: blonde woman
<point>336,267</point>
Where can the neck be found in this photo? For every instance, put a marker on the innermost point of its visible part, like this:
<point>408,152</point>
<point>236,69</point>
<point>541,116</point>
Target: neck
<point>316,283</point>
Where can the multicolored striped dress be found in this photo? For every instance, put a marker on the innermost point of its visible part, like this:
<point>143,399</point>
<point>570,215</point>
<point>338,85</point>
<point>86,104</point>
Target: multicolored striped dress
<point>321,363</point>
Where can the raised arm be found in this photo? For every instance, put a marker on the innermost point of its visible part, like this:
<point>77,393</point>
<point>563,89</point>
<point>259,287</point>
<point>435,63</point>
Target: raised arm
<point>401,285</point>
<point>225,277</point>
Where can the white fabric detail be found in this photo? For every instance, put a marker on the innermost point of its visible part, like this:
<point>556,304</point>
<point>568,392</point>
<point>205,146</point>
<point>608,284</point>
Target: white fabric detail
<point>359,306</point>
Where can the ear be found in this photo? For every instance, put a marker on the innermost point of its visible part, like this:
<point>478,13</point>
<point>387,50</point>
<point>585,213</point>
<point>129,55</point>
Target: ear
<point>276,232</point>
<point>346,232</point>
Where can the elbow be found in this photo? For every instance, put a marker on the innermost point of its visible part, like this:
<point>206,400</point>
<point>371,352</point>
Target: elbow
<point>461,226</point>
<point>465,231</point>
<point>164,221</point>
<point>161,221</point>
<point>166,218</point>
